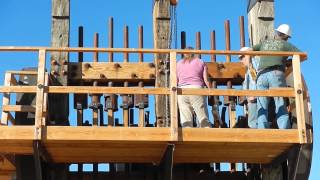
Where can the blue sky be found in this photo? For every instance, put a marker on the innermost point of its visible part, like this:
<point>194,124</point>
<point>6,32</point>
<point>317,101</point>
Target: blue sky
<point>28,23</point>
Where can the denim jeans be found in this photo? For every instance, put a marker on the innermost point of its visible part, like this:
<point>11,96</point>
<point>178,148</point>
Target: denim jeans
<point>252,115</point>
<point>274,78</point>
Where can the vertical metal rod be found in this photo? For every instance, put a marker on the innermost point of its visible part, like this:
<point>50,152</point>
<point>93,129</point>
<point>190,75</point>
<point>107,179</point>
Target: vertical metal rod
<point>110,84</point>
<point>110,39</point>
<point>80,59</point>
<point>140,44</point>
<point>183,41</point>
<point>95,98</point>
<point>242,36</point>
<point>213,45</point>
<point>198,42</point>
<point>227,38</point>
<point>126,84</point>
<point>126,43</point>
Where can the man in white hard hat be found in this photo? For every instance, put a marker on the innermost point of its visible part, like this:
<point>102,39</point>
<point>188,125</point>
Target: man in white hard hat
<point>249,83</point>
<point>271,74</point>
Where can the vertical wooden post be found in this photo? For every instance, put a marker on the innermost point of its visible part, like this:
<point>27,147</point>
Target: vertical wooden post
<point>161,34</point>
<point>260,20</point>
<point>60,38</point>
<point>173,97</point>
<point>301,122</point>
<point>40,94</point>
<point>6,99</point>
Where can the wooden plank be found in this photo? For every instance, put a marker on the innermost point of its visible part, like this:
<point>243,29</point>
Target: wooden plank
<point>60,8</point>
<point>111,134</point>
<point>106,151</point>
<point>40,94</point>
<point>226,70</point>
<point>173,97</point>
<point>18,108</point>
<point>12,133</point>
<point>282,92</point>
<point>23,72</point>
<point>238,135</point>
<point>111,71</point>
<point>301,122</point>
<point>106,90</point>
<point>6,99</point>
<point>302,55</point>
<point>228,152</point>
<point>6,165</point>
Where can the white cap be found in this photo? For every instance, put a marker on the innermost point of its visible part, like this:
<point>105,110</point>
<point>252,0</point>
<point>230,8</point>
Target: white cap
<point>244,49</point>
<point>284,29</point>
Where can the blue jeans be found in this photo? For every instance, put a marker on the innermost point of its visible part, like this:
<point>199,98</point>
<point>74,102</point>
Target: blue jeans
<point>274,78</point>
<point>252,115</point>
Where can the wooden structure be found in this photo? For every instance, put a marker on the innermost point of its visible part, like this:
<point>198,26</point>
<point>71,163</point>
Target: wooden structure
<point>144,144</point>
<point>32,133</point>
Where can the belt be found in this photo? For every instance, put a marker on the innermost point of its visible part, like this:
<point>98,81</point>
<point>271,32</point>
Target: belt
<point>271,68</point>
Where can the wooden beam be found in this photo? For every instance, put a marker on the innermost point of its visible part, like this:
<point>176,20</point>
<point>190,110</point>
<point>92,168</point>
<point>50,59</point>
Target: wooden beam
<point>18,108</point>
<point>112,71</point>
<point>282,92</point>
<point>161,35</point>
<point>303,55</point>
<point>56,133</point>
<point>23,72</point>
<point>173,97</point>
<point>6,99</point>
<point>298,91</point>
<point>40,94</point>
<point>261,21</point>
<point>16,133</point>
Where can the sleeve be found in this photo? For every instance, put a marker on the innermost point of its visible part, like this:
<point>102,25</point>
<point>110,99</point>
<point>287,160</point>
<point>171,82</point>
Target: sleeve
<point>245,82</point>
<point>291,47</point>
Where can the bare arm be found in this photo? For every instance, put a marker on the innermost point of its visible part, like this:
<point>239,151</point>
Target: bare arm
<point>206,77</point>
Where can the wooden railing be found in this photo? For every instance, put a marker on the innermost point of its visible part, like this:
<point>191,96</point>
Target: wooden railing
<point>42,89</point>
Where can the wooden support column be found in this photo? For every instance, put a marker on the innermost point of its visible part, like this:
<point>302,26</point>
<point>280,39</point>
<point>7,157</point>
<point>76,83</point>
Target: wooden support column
<point>260,20</point>
<point>60,33</point>
<point>6,100</point>
<point>60,38</point>
<point>173,97</point>
<point>161,34</point>
<point>40,94</point>
<point>301,122</point>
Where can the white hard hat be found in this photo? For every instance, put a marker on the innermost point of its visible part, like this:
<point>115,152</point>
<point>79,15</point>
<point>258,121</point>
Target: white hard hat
<point>284,29</point>
<point>244,49</point>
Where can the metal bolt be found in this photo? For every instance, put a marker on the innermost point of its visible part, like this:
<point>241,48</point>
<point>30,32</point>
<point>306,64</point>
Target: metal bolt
<point>102,76</point>
<point>87,66</point>
<point>64,72</point>
<point>54,63</point>
<point>134,75</point>
<point>40,86</point>
<point>299,91</point>
<point>152,76</point>
<point>152,65</point>
<point>116,65</point>
<point>174,88</point>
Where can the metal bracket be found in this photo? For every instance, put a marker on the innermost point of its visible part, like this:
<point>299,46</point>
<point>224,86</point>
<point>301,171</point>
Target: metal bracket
<point>166,164</point>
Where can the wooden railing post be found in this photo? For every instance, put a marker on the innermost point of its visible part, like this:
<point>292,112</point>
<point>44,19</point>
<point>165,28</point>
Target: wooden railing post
<point>301,122</point>
<point>40,94</point>
<point>173,96</point>
<point>6,100</point>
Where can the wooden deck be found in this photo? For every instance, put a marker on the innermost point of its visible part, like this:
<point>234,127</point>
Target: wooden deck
<point>147,145</point>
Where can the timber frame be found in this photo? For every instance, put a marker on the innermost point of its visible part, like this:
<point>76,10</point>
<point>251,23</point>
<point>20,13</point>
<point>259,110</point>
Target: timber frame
<point>158,145</point>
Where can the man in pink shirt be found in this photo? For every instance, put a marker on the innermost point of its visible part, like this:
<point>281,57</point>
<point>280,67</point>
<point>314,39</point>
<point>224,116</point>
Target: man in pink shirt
<point>192,73</point>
